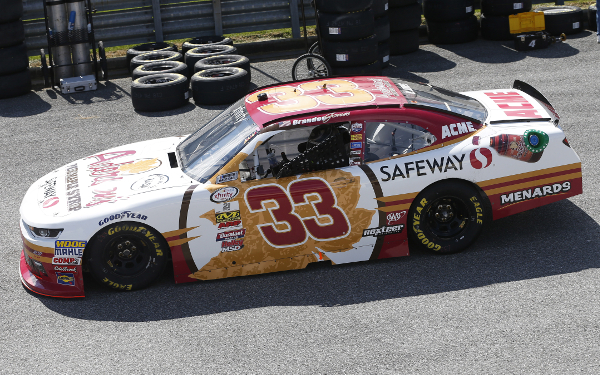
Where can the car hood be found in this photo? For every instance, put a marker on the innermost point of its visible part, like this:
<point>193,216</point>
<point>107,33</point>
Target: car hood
<point>91,186</point>
<point>511,105</point>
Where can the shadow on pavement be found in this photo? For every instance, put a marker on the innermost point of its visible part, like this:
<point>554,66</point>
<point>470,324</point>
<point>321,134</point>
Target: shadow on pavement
<point>552,240</point>
<point>177,111</point>
<point>30,104</point>
<point>421,61</point>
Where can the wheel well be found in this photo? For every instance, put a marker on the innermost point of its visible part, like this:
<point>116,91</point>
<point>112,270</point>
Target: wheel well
<point>484,197</point>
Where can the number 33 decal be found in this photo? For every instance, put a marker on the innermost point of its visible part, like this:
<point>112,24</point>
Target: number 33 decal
<point>298,228</point>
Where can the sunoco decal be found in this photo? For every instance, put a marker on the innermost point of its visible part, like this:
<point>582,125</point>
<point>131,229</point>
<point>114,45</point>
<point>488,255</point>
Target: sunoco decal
<point>224,194</point>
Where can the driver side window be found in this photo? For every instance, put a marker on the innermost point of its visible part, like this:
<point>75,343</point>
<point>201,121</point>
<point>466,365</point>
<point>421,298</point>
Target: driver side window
<point>388,138</point>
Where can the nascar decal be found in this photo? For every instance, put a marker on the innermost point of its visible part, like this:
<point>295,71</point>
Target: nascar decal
<point>288,220</point>
<point>513,104</point>
<point>420,167</point>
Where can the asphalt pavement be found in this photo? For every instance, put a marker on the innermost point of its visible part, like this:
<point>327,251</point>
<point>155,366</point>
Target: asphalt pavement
<point>522,300</point>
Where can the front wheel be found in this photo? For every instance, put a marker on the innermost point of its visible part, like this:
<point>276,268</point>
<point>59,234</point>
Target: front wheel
<point>127,256</point>
<point>447,217</point>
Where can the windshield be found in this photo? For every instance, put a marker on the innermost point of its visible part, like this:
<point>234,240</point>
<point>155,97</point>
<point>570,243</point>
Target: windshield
<point>206,151</point>
<point>421,94</point>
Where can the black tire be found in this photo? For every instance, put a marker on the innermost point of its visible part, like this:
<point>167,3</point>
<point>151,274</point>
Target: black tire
<point>447,217</point>
<point>13,59</point>
<point>310,66</point>
<point>372,69</point>
<point>160,92</point>
<point>220,85</point>
<point>127,256</point>
<point>380,8</point>
<point>12,33</point>
<point>345,6</point>
<point>194,55</point>
<point>562,19</point>
<point>315,49</point>
<point>403,42</point>
<point>224,61</point>
<point>156,56</point>
<point>15,84</point>
<point>160,67</point>
<point>400,3</point>
<point>592,18</point>
<point>505,7</point>
<point>448,10</point>
<point>495,28</point>
<point>384,53</point>
<point>453,32</point>
<point>382,28</point>
<point>405,18</point>
<point>203,41</point>
<point>354,53</point>
<point>45,69</point>
<point>148,47</point>
<point>338,27</point>
<point>12,10</point>
<point>103,61</point>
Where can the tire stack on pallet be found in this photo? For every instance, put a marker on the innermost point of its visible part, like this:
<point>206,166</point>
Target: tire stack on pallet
<point>495,24</point>
<point>450,21</point>
<point>14,63</point>
<point>405,19</point>
<point>347,35</point>
<point>562,19</point>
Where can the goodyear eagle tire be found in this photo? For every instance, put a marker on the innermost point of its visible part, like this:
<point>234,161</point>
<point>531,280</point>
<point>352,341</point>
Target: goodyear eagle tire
<point>338,27</point>
<point>495,28</point>
<point>448,10</point>
<point>562,19</point>
<point>196,54</point>
<point>13,59</point>
<point>204,41</point>
<point>384,54</point>
<point>462,31</point>
<point>403,42</point>
<point>11,33</point>
<point>382,29</point>
<point>156,56</point>
<point>220,85</point>
<point>505,7</point>
<point>148,47</point>
<point>160,92</point>
<point>12,10</point>
<point>405,18</point>
<point>592,18</point>
<point>352,53</point>
<point>380,8</point>
<point>447,217</point>
<point>345,6</point>
<point>223,61</point>
<point>160,67</point>
<point>127,256</point>
<point>15,84</point>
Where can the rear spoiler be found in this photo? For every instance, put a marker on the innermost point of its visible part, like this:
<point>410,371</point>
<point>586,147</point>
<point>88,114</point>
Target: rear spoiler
<point>528,89</point>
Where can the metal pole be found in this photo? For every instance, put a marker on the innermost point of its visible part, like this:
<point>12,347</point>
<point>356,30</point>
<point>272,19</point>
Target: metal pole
<point>304,24</point>
<point>295,21</point>
<point>158,31</point>
<point>218,17</point>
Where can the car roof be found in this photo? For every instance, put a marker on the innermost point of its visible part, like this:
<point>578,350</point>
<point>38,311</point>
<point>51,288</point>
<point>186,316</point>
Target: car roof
<point>290,99</point>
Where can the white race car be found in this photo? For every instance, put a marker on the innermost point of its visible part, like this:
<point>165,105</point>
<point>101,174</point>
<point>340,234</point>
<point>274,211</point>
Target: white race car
<point>339,170</point>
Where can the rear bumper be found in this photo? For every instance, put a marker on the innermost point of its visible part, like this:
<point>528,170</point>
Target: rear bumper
<point>48,285</point>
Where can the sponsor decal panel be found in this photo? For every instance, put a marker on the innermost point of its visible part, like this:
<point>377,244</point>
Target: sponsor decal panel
<point>224,194</point>
<point>533,193</point>
<point>48,196</point>
<point>394,218</point>
<point>72,184</point>
<point>480,158</point>
<point>66,269</point>
<point>150,182</point>
<point>231,235</point>
<point>65,278</point>
<point>422,167</point>
<point>69,248</point>
<point>227,216</point>
<point>232,176</point>
<point>232,245</point>
<point>66,261</point>
<point>384,230</point>
<point>513,104</point>
<point>356,137</point>
<point>356,145</point>
<point>457,129</point>
<point>234,224</point>
<point>122,215</point>
<point>228,206</point>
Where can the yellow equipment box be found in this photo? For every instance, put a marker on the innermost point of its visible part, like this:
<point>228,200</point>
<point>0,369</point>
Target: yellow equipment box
<point>525,22</point>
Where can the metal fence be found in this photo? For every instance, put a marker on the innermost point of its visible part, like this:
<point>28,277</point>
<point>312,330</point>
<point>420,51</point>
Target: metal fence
<point>122,22</point>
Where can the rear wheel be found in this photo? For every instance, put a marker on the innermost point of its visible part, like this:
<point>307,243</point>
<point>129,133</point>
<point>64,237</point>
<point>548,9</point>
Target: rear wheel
<point>447,217</point>
<point>127,256</point>
<point>310,66</point>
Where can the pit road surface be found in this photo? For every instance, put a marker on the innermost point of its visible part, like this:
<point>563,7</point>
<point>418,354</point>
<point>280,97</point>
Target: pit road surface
<point>523,299</point>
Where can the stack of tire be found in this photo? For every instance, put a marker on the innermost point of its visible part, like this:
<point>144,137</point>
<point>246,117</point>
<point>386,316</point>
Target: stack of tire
<point>450,21</point>
<point>347,34</point>
<point>592,25</point>
<point>14,63</point>
<point>405,17</point>
<point>382,31</point>
<point>494,17</point>
<point>563,19</point>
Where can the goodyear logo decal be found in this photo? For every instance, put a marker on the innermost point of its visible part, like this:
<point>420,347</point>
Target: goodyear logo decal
<point>69,248</point>
<point>227,216</point>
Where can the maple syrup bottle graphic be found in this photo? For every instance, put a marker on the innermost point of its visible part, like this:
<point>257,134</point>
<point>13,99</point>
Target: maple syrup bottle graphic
<point>528,147</point>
